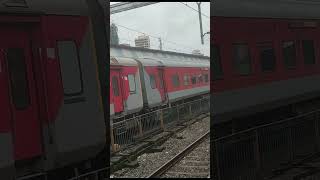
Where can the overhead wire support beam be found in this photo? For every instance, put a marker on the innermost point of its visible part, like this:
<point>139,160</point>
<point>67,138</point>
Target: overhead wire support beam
<point>125,6</point>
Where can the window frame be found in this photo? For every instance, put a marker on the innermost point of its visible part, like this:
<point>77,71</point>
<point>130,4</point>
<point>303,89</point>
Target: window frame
<point>303,52</point>
<point>194,77</point>
<point>206,77</point>
<point>155,82</point>
<point>295,54</point>
<point>134,81</point>
<point>113,86</point>
<point>200,78</point>
<point>266,44</point>
<point>235,65</point>
<point>220,76</point>
<point>186,79</point>
<point>175,78</point>
<point>79,66</point>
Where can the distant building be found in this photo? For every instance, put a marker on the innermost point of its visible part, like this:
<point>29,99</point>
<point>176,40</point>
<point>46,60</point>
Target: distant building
<point>197,52</point>
<point>142,41</point>
<point>114,39</point>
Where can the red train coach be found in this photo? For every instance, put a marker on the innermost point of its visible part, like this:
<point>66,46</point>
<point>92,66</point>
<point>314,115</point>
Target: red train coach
<point>50,109</point>
<point>266,54</point>
<point>143,80</point>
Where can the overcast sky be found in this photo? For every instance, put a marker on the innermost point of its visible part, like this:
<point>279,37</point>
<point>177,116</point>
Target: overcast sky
<point>172,21</point>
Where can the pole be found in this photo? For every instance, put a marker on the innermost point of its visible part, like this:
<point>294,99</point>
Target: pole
<point>160,43</point>
<point>200,21</point>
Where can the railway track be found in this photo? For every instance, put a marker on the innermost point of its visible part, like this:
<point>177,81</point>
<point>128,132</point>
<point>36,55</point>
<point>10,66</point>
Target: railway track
<point>193,161</point>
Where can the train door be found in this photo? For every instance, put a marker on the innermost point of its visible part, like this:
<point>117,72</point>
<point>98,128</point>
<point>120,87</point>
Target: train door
<point>117,99</point>
<point>162,87</point>
<point>25,123</point>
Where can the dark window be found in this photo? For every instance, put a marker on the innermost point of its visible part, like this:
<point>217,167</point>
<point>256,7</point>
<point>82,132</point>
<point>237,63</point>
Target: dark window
<point>18,77</point>
<point>308,51</point>
<point>267,56</point>
<point>175,80</point>
<point>206,78</point>
<point>115,86</point>
<point>194,79</point>
<point>132,83</point>
<point>186,79</point>
<point>217,68</point>
<point>200,78</point>
<point>289,53</point>
<point>70,67</point>
<point>242,62</point>
<point>161,79</point>
<point>153,81</point>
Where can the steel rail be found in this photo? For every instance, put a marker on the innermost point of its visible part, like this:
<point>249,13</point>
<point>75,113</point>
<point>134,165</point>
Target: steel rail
<point>164,168</point>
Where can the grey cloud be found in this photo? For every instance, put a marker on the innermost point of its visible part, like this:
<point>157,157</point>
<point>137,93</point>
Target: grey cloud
<point>170,20</point>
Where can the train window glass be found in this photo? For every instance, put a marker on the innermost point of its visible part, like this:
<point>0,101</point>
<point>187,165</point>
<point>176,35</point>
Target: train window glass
<point>115,86</point>
<point>18,77</point>
<point>289,53</point>
<point>132,83</point>
<point>206,78</point>
<point>308,51</point>
<point>194,79</point>
<point>70,67</point>
<point>217,68</point>
<point>200,78</point>
<point>186,79</point>
<point>175,80</point>
<point>267,56</point>
<point>242,61</point>
<point>161,79</point>
<point>153,81</point>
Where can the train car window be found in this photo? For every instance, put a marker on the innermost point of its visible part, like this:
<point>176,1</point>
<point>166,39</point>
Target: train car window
<point>242,61</point>
<point>132,83</point>
<point>267,56</point>
<point>308,51</point>
<point>161,79</point>
<point>194,79</point>
<point>206,78</point>
<point>175,80</point>
<point>70,68</point>
<point>289,53</point>
<point>200,78</point>
<point>186,80</point>
<point>217,68</point>
<point>153,81</point>
<point>18,77</point>
<point>115,86</point>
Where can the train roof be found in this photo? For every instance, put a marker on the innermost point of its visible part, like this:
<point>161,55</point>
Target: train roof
<point>286,9</point>
<point>149,61</point>
<point>56,7</point>
<point>122,61</point>
<point>150,57</point>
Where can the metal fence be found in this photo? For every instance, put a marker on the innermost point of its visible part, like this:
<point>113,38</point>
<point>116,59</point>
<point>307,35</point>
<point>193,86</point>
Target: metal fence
<point>131,130</point>
<point>257,152</point>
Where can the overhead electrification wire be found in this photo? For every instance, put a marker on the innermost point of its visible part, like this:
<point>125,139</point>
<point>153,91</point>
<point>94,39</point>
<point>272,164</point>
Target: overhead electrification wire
<point>195,10</point>
<point>164,40</point>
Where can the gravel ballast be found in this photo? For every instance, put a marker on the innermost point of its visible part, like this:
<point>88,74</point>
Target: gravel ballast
<point>150,162</point>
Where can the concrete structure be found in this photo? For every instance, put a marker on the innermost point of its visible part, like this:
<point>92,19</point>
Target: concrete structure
<point>142,41</point>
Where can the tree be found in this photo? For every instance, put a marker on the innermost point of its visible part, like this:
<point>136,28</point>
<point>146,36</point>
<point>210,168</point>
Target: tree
<point>114,39</point>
